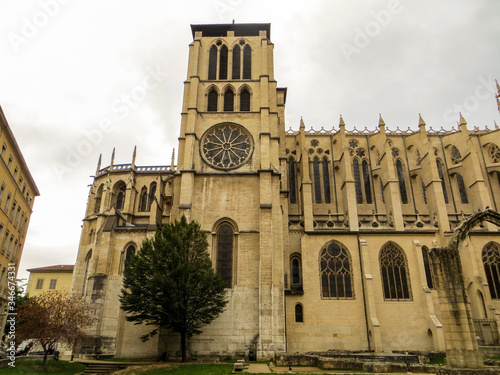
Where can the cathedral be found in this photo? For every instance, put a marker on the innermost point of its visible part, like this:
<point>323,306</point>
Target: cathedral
<point>322,237</point>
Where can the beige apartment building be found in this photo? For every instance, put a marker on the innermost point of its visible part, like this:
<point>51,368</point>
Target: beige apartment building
<point>323,236</point>
<point>17,194</point>
<point>43,279</point>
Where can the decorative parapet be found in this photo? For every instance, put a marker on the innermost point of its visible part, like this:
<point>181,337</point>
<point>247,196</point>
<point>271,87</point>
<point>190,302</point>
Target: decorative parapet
<point>138,169</point>
<point>397,131</point>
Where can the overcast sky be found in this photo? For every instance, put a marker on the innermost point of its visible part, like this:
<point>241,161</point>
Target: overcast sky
<point>78,78</point>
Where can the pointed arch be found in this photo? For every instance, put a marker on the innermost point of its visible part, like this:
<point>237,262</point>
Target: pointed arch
<point>296,271</point>
<point>212,63</point>
<point>394,273</point>
<point>223,62</point>
<point>225,232</point>
<point>119,191</point>
<point>236,62</point>
<point>491,262</point>
<point>98,199</point>
<point>152,194</point>
<point>128,251</point>
<point>335,268</point>
<point>247,62</point>
<point>299,313</point>
<point>87,267</point>
<point>461,188</point>
<point>143,199</point>
<point>245,100</point>
<point>229,99</point>
<point>212,100</point>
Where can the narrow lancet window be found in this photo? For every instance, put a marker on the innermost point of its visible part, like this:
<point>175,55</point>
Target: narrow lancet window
<point>223,63</point>
<point>247,62</point>
<point>357,181</point>
<point>212,101</point>
<point>326,181</point>
<point>245,101</point>
<point>212,63</point>
<point>462,189</point>
<point>236,62</point>
<point>402,183</point>
<point>366,180</point>
<point>317,181</point>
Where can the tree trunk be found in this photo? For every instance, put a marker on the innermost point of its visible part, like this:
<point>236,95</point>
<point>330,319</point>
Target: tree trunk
<point>183,346</point>
<point>45,355</point>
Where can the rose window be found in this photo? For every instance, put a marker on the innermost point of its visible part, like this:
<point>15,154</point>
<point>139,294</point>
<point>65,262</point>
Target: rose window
<point>226,146</point>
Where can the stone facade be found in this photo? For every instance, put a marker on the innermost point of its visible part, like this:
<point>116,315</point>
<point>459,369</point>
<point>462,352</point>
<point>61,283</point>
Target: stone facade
<point>323,236</point>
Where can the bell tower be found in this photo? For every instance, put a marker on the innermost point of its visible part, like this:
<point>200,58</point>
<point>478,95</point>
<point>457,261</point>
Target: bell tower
<point>232,130</point>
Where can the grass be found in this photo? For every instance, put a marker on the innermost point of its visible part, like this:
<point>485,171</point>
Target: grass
<point>438,361</point>
<point>27,366</point>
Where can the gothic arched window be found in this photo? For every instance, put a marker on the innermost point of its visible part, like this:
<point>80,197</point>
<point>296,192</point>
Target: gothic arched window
<point>366,179</point>
<point>236,62</point>
<point>229,100</point>
<point>456,157</point>
<point>402,183</point>
<point>212,63</point>
<point>212,101</point>
<point>247,62</point>
<point>86,271</point>
<point>441,176</point>
<point>245,101</point>
<point>225,253</point>
<point>427,267</point>
<point>326,181</point>
<point>223,63</point>
<point>394,271</point>
<point>357,181</point>
<point>120,197</point>
<point>291,181</point>
<point>98,199</point>
<point>296,270</point>
<point>461,188</point>
<point>491,262</point>
<point>152,192</point>
<point>143,202</point>
<point>317,181</point>
<point>299,313</point>
<point>335,272</point>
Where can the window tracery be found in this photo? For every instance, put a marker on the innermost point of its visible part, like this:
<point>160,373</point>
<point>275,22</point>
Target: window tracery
<point>226,146</point>
<point>336,272</point>
<point>394,271</point>
<point>491,262</point>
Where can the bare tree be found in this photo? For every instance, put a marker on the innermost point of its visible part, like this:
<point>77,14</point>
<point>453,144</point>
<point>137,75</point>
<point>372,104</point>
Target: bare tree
<point>52,317</point>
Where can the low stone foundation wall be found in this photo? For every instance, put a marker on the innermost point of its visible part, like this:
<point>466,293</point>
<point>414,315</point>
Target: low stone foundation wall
<point>344,362</point>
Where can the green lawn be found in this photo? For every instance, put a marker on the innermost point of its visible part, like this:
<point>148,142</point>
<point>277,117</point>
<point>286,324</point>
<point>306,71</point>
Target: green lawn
<point>24,366</point>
